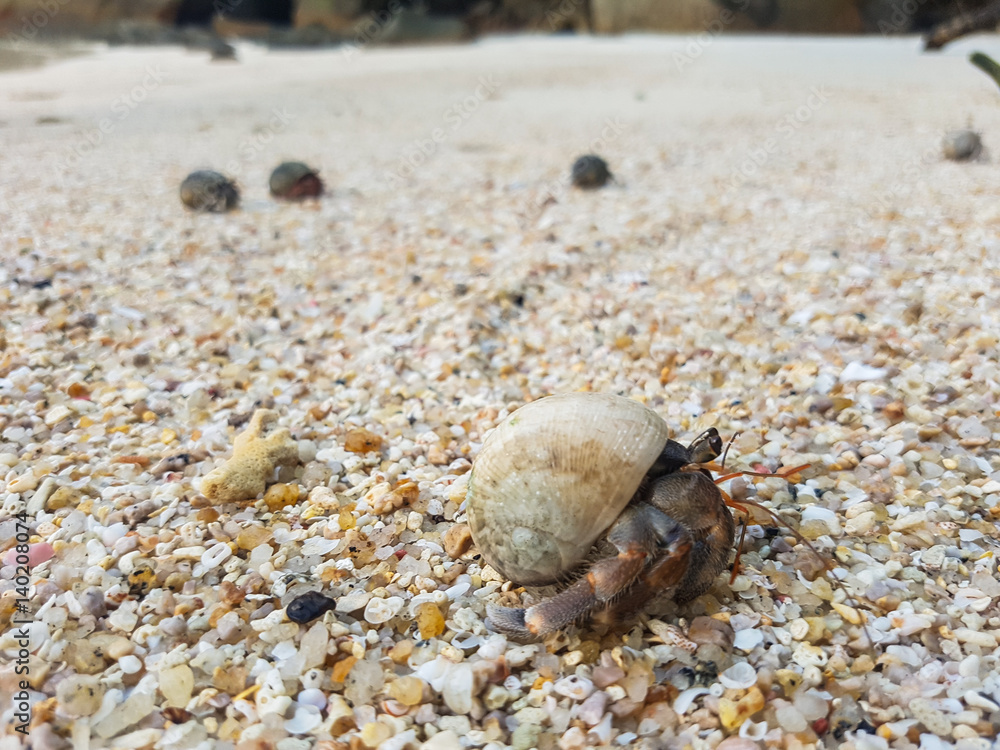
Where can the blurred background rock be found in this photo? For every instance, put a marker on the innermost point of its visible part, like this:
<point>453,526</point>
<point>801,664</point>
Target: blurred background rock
<point>322,22</point>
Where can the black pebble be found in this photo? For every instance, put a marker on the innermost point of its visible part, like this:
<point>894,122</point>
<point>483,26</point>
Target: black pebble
<point>309,606</point>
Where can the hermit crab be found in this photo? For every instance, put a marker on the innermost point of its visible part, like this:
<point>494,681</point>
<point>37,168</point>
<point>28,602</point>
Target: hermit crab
<point>588,486</point>
<point>209,191</point>
<point>590,172</point>
<point>294,180</point>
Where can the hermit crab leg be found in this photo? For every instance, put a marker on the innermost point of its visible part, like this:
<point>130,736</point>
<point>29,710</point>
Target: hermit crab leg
<point>640,534</point>
<point>742,507</point>
<point>665,573</point>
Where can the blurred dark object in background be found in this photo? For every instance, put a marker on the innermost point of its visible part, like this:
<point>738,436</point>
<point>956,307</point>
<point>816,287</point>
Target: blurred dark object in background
<point>762,12</point>
<point>917,16</point>
<point>983,19</point>
<point>203,12</point>
<point>322,22</point>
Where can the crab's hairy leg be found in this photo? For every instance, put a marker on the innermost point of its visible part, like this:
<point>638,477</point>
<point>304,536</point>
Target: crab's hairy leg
<point>638,535</point>
<point>666,571</point>
<point>696,503</point>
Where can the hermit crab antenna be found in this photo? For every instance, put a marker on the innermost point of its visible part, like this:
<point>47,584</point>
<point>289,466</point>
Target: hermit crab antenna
<point>725,452</point>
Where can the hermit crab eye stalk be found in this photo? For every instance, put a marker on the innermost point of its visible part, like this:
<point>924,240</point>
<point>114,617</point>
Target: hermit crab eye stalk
<point>706,447</point>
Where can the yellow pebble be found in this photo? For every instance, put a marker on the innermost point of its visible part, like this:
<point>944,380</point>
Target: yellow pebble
<point>788,680</point>
<point>85,422</point>
<point>280,496</point>
<point>732,714</point>
<point>407,690</point>
<point>863,664</point>
<point>168,436</point>
<point>848,613</point>
<point>149,416</point>
<point>728,713</point>
<point>429,621</point>
<point>401,651</point>
<point>817,626</point>
<point>374,734</point>
<point>342,668</point>
<point>346,520</point>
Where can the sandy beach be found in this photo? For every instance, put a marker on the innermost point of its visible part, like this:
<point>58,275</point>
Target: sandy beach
<point>784,253</point>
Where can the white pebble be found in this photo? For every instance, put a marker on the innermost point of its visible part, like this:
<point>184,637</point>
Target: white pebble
<point>602,730</point>
<point>978,700</point>
<point>751,731</point>
<point>855,371</point>
<point>811,705</point>
<point>130,664</point>
<point>572,739</point>
<point>748,639</point>
<point>466,641</point>
<point>574,688</point>
<point>23,483</point>
<point>457,590</point>
<point>458,690</point>
<point>353,601</point>
<point>798,629</point>
<point>56,414</point>
<point>739,676</point>
<point>317,545</point>
<point>686,699</point>
<point>513,682</point>
<point>215,555</point>
<point>791,719</point>
<point>312,697</point>
<point>305,720</point>
<point>592,709</point>
<point>827,516</point>
<point>378,611</point>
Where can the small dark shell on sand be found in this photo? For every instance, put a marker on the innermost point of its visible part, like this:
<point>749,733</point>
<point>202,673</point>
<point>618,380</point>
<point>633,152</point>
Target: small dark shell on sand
<point>294,180</point>
<point>308,607</point>
<point>590,172</point>
<point>962,145</point>
<point>209,191</point>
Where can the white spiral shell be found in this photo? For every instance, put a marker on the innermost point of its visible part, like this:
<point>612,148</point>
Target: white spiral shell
<point>553,476</point>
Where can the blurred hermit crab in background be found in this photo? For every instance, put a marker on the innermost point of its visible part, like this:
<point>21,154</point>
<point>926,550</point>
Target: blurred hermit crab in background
<point>588,488</point>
